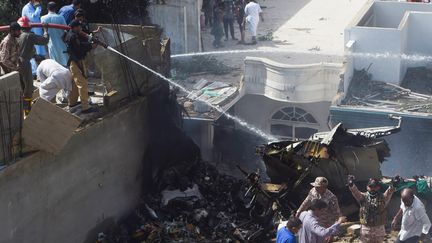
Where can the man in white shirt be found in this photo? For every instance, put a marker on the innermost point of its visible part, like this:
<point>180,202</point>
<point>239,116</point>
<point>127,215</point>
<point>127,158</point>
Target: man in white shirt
<point>53,77</point>
<point>253,13</point>
<point>415,222</point>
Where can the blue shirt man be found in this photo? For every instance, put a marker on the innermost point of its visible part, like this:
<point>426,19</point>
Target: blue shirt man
<point>32,10</point>
<point>287,234</point>
<point>56,45</point>
<point>68,11</point>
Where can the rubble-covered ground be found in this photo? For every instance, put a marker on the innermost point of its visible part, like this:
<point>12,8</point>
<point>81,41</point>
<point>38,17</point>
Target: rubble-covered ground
<point>389,238</point>
<point>193,203</point>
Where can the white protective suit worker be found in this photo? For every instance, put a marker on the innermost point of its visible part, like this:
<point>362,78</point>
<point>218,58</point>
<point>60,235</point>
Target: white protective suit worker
<point>53,77</point>
<point>253,13</point>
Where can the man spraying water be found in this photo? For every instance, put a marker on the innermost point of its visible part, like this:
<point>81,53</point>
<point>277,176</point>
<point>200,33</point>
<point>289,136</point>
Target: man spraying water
<point>78,46</point>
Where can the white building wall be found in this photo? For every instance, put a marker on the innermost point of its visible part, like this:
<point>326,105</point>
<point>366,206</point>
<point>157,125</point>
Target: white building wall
<point>419,34</point>
<point>388,14</point>
<point>291,83</point>
<point>383,34</point>
<point>377,41</point>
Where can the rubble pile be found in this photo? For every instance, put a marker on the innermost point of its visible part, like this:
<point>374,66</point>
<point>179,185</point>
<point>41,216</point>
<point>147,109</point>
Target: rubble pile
<point>418,79</point>
<point>198,65</point>
<point>193,203</point>
<point>364,91</point>
<point>362,87</point>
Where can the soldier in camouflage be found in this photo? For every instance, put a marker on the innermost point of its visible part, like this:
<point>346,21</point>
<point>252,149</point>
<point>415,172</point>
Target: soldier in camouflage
<point>320,191</point>
<point>373,208</point>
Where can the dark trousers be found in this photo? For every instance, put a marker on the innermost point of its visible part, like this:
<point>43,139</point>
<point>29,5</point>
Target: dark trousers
<point>26,79</point>
<point>414,239</point>
<point>229,23</point>
<point>208,18</point>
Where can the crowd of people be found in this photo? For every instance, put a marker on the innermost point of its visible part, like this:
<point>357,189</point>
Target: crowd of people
<point>25,49</point>
<point>319,218</point>
<point>220,16</point>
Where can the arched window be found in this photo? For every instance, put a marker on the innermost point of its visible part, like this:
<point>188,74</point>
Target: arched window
<point>294,114</point>
<point>293,122</point>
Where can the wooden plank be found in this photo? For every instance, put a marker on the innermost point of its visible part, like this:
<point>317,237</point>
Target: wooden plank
<point>49,127</point>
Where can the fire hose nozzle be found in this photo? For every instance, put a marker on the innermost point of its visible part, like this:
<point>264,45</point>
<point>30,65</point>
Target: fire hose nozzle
<point>99,42</point>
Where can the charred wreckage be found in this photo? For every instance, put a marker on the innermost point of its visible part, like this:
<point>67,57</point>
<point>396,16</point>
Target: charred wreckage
<point>193,202</point>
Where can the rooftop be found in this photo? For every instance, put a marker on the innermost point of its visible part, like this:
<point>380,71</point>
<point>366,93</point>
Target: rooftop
<point>205,92</point>
<point>364,92</point>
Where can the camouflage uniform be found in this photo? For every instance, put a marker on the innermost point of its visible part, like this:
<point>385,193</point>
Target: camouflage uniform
<point>9,49</point>
<point>331,213</point>
<point>372,230</point>
<point>372,234</point>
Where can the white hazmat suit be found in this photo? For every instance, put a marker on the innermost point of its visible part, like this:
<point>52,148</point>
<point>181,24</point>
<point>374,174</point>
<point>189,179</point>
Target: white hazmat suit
<point>53,77</point>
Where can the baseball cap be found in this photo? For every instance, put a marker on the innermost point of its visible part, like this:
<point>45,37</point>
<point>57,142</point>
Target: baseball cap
<point>320,181</point>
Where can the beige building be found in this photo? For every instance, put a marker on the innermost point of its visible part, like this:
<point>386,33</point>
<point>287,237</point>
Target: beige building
<point>288,101</point>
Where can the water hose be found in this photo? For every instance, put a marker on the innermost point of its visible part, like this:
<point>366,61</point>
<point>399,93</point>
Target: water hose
<point>58,26</point>
<point>39,25</point>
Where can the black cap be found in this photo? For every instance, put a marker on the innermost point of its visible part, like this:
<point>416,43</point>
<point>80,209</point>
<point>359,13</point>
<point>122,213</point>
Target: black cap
<point>74,23</point>
<point>14,26</point>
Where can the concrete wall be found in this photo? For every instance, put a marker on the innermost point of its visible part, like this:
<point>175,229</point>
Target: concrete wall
<point>384,33</point>
<point>373,47</point>
<point>388,14</point>
<point>10,117</point>
<point>202,133</point>
<point>141,43</point>
<point>96,178</point>
<point>419,34</point>
<point>180,20</point>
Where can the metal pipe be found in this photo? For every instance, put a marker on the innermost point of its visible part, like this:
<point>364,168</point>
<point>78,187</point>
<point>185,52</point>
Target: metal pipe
<point>39,25</point>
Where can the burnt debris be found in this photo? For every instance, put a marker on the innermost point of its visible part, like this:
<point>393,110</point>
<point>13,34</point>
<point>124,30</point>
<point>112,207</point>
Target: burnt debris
<point>195,203</point>
<point>364,91</point>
